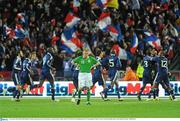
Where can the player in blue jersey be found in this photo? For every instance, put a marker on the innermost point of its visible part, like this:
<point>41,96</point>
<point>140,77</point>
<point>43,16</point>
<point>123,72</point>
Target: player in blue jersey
<point>162,75</point>
<point>98,77</point>
<point>35,64</point>
<point>47,71</point>
<point>27,73</point>
<point>114,66</point>
<point>75,73</point>
<point>147,74</point>
<point>17,68</point>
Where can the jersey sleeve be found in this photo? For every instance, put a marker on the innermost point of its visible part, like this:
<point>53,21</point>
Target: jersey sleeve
<point>28,66</point>
<point>17,61</point>
<point>94,61</point>
<point>155,59</point>
<point>119,65</point>
<point>104,62</point>
<point>49,62</point>
<point>76,60</point>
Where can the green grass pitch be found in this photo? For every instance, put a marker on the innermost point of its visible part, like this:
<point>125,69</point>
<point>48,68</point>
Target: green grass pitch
<point>131,108</point>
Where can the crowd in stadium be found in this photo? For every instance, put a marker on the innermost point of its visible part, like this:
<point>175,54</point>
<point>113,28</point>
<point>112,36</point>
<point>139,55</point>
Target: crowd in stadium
<point>34,25</point>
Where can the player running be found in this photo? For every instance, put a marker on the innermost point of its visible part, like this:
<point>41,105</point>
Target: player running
<point>85,64</point>
<point>27,73</point>
<point>46,73</point>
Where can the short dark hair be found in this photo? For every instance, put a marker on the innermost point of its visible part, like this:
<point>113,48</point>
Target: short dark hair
<point>98,52</point>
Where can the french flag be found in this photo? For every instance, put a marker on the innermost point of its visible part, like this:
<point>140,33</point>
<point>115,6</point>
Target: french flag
<point>20,33</point>
<point>134,44</point>
<point>104,20</point>
<point>54,39</point>
<point>21,16</point>
<point>70,42</point>
<point>71,20</point>
<point>120,52</point>
<point>102,3</point>
<point>8,32</point>
<point>152,40</point>
<point>115,32</point>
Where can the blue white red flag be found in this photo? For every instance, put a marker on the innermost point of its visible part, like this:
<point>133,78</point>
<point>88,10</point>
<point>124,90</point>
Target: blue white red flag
<point>152,40</point>
<point>71,20</point>
<point>134,44</point>
<point>104,20</point>
<point>102,3</point>
<point>70,41</point>
<point>115,32</point>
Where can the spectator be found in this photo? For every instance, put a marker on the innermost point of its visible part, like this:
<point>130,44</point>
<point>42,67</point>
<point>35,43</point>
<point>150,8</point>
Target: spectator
<point>44,19</point>
<point>130,75</point>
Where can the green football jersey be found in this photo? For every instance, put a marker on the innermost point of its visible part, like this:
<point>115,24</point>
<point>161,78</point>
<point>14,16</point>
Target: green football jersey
<point>85,64</point>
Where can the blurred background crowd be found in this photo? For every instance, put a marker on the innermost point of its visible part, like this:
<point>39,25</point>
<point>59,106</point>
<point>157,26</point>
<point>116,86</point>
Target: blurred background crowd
<point>128,26</point>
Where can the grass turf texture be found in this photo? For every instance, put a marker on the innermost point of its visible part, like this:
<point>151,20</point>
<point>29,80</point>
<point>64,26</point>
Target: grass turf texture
<point>45,108</point>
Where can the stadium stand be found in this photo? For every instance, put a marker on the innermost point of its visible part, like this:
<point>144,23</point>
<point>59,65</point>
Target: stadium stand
<point>127,26</point>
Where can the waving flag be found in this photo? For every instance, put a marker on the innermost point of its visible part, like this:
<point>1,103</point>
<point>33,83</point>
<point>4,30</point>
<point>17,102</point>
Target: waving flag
<point>134,44</point>
<point>152,40</point>
<point>121,53</point>
<point>102,3</point>
<point>104,20</point>
<point>8,32</point>
<point>115,32</point>
<point>54,39</point>
<point>70,41</point>
<point>20,33</point>
<point>71,20</point>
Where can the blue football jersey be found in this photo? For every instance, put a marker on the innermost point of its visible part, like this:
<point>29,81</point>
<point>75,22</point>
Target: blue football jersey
<point>113,63</point>
<point>27,65</point>
<point>162,64</point>
<point>147,64</point>
<point>35,63</point>
<point>98,69</point>
<point>47,61</point>
<point>17,65</point>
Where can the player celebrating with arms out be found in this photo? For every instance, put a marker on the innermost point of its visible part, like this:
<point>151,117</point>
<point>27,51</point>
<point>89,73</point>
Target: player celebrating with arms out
<point>85,64</point>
